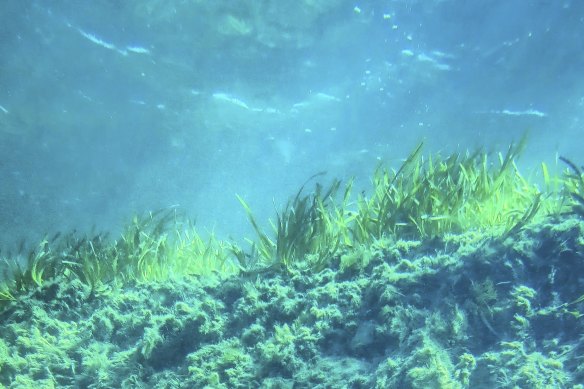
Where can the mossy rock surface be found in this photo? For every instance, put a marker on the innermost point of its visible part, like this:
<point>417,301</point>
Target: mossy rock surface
<point>453,312</point>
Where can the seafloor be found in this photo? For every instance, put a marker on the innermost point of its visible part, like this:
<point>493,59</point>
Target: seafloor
<point>463,311</point>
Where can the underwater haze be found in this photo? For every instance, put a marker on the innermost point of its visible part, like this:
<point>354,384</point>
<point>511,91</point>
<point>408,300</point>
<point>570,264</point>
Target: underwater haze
<point>112,108</point>
<point>292,194</point>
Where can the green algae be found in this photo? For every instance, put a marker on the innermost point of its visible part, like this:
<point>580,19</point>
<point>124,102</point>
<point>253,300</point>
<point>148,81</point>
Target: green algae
<point>427,315</point>
<point>332,301</point>
<point>425,198</point>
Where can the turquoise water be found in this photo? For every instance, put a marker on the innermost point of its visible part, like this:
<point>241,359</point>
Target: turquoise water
<point>115,107</point>
<point>215,113</point>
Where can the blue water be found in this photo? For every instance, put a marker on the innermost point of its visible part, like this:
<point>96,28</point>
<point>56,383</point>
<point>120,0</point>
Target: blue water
<point>111,108</point>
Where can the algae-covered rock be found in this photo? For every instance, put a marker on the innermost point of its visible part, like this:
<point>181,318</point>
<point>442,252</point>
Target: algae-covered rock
<point>461,312</point>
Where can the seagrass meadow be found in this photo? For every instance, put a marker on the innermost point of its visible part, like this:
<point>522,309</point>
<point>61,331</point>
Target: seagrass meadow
<point>451,272</point>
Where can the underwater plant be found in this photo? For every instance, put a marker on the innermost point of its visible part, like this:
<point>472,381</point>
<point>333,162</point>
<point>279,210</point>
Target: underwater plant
<point>304,231</point>
<point>424,198</point>
<point>427,196</point>
<point>163,245</point>
<point>574,186</point>
<point>153,247</point>
<point>42,263</point>
<point>431,196</point>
